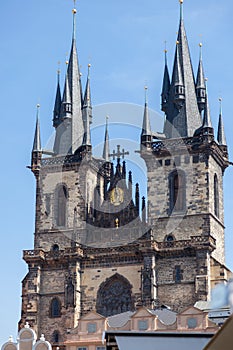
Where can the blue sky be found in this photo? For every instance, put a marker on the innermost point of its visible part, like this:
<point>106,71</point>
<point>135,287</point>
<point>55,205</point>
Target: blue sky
<point>124,41</point>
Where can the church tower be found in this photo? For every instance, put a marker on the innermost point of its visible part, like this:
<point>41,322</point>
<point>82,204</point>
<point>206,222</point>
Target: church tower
<point>98,246</point>
<point>87,211</point>
<point>185,165</point>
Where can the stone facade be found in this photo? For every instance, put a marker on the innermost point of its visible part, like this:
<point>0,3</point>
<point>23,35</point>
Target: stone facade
<point>94,250</point>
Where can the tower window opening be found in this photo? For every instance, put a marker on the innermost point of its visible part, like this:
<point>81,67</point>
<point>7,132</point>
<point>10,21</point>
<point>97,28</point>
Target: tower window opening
<point>62,196</point>
<point>216,196</point>
<point>177,191</point>
<point>178,276</point>
<point>56,337</point>
<point>55,308</point>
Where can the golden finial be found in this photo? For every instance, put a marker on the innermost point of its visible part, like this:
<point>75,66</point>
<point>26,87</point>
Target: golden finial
<point>89,65</point>
<point>177,42</point>
<point>67,61</point>
<point>181,1</point>
<point>200,44</point>
<point>117,222</point>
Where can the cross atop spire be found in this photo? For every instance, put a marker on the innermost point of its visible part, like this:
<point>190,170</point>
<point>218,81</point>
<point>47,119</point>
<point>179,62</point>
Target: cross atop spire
<point>118,154</point>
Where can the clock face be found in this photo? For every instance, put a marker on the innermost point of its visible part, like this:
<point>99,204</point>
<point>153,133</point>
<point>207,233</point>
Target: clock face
<point>117,196</point>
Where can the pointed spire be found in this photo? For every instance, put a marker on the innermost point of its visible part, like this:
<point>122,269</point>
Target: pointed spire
<point>184,119</point>
<point>177,79</point>
<point>87,112</point>
<point>207,119</point>
<point>37,142</point>
<point>130,184</point>
<point>166,85</point>
<point>87,95</point>
<point>143,209</point>
<point>70,137</point>
<point>221,133</point>
<point>66,100</point>
<point>57,105</point>
<point>123,170</point>
<point>146,135</point>
<point>137,198</point>
<point>87,131</point>
<point>200,84</point>
<point>106,150</point>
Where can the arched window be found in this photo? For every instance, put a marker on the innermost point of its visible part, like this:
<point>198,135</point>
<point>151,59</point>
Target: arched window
<point>55,308</point>
<point>62,196</point>
<point>177,184</point>
<point>55,337</point>
<point>55,248</point>
<point>114,296</point>
<point>216,196</point>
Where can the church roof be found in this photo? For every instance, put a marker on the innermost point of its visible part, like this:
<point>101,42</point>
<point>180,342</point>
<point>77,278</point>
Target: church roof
<point>184,118</point>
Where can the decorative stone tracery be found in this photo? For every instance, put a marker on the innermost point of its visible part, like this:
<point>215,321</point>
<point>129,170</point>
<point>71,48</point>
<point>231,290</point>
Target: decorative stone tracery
<point>114,296</point>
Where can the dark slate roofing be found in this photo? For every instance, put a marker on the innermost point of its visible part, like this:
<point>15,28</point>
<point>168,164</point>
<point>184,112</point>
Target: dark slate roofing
<point>106,149</point>
<point>71,138</point>
<point>200,80</point>
<point>207,119</point>
<point>185,120</point>
<point>221,132</point>
<point>146,128</point>
<point>37,141</point>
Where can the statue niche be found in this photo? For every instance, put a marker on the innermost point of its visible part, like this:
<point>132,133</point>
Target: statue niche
<point>114,296</point>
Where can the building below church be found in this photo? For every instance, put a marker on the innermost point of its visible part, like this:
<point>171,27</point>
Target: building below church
<point>102,254</point>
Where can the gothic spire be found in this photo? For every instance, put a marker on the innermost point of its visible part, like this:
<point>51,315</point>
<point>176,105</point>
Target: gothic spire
<point>166,85</point>
<point>87,112</point>
<point>106,150</point>
<point>207,119</point>
<point>137,198</point>
<point>87,95</point>
<point>200,83</point>
<point>185,118</point>
<point>146,135</point>
<point>69,137</point>
<point>57,105</point>
<point>66,100</point>
<point>37,142</point>
<point>221,133</point>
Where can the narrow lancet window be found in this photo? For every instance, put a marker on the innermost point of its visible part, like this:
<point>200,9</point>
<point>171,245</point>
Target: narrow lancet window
<point>177,186</point>
<point>216,196</point>
<point>55,308</point>
<point>61,206</point>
